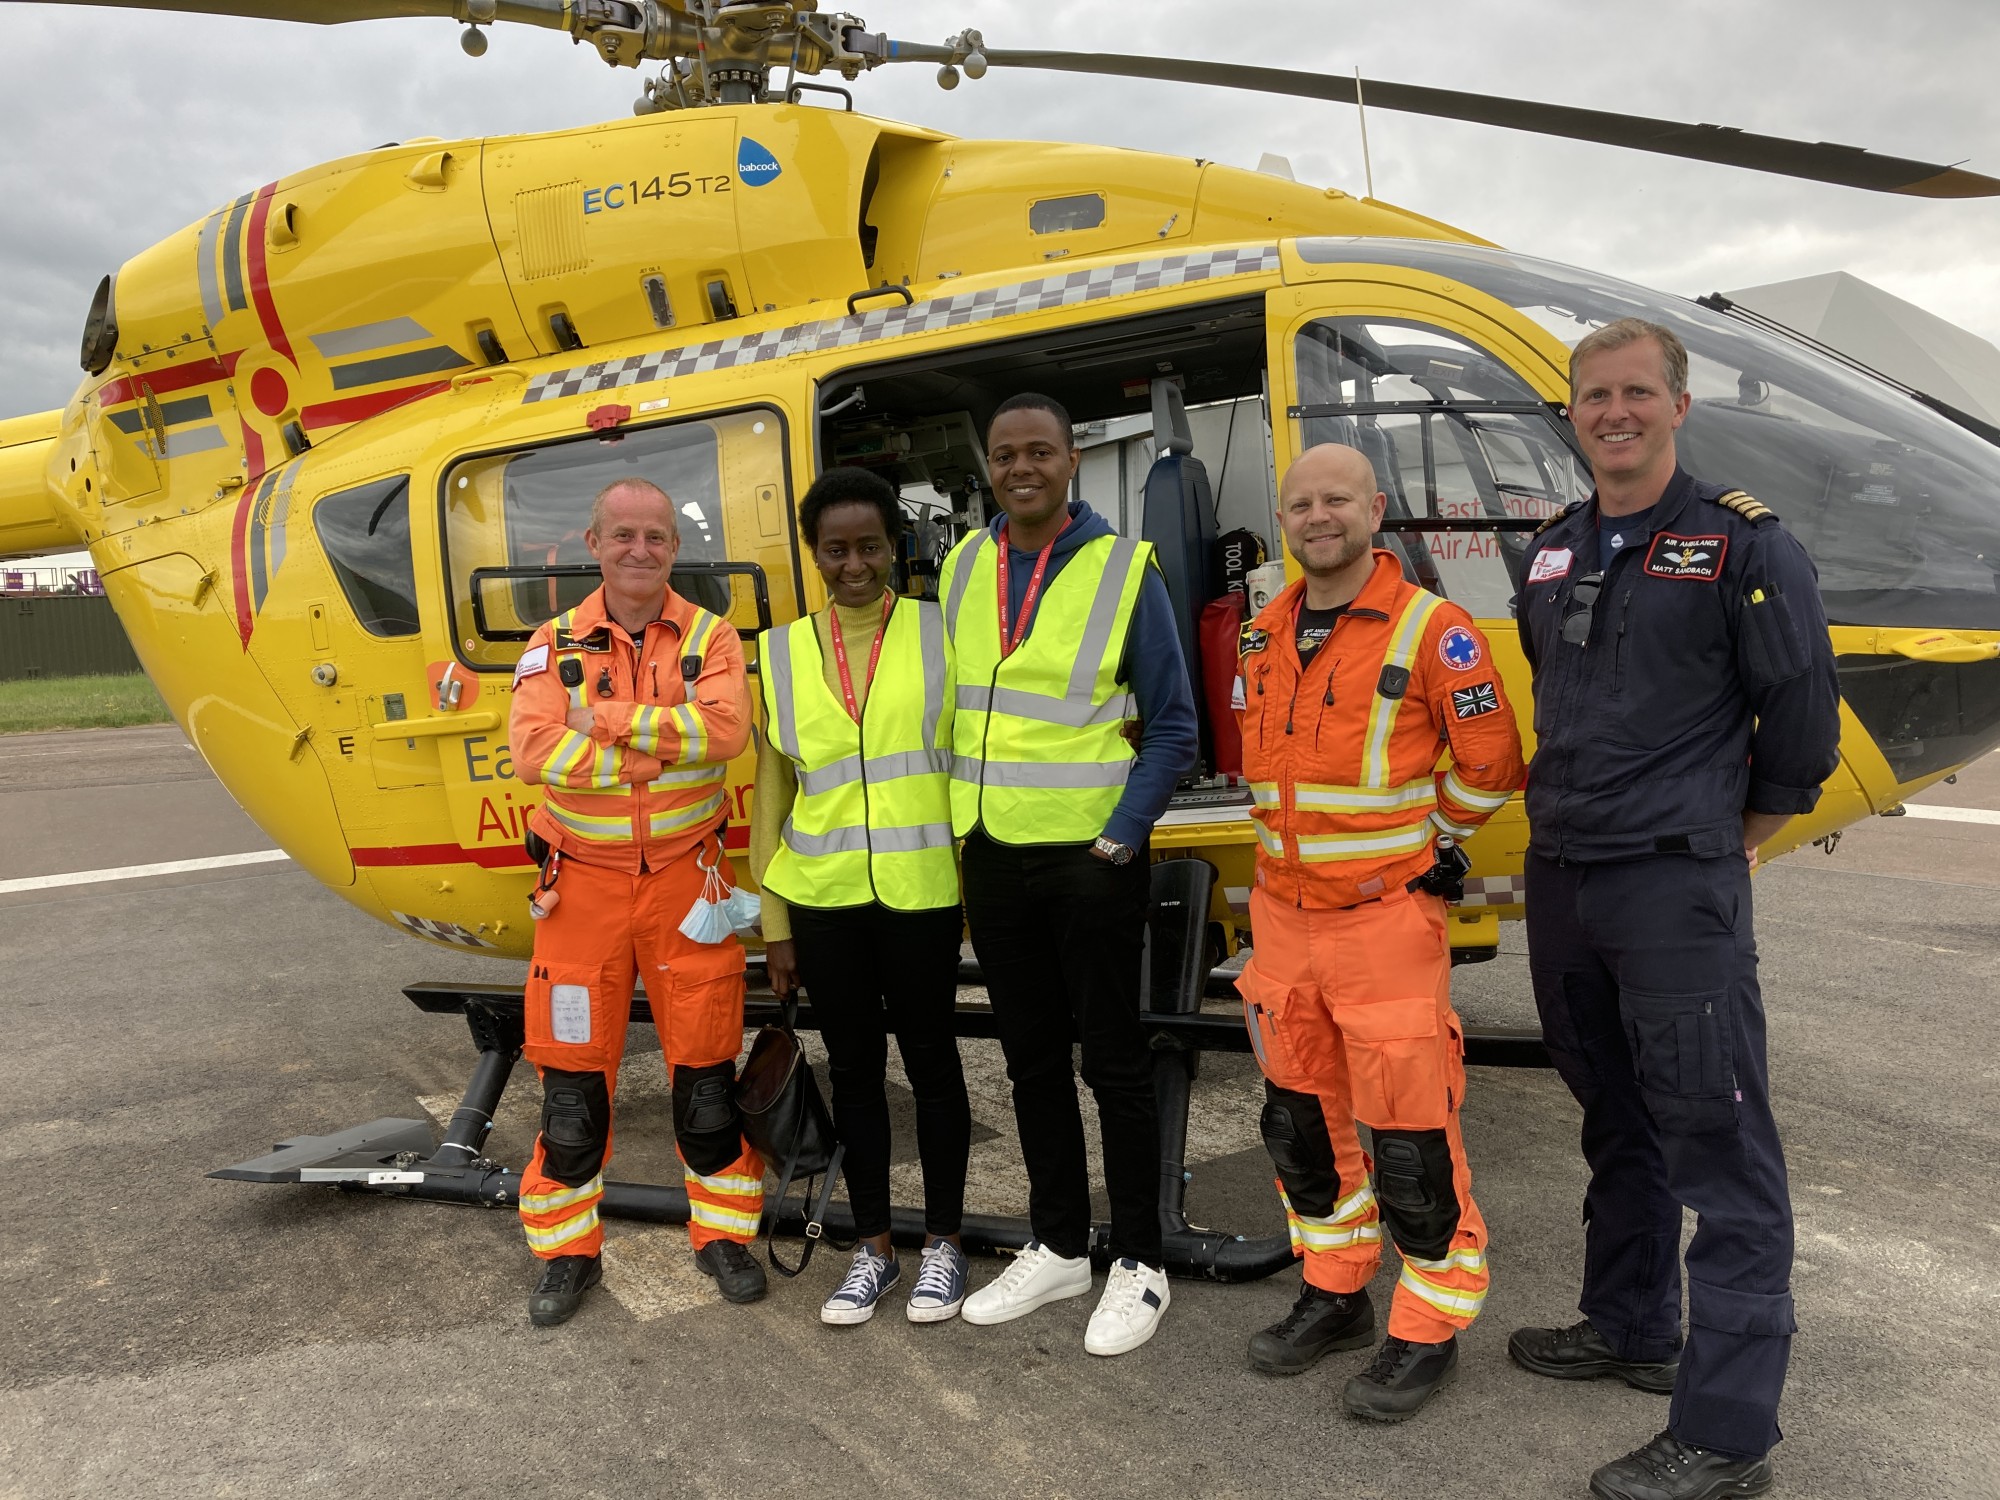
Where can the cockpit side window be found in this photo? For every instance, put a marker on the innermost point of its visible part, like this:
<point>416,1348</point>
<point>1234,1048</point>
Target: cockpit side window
<point>515,522</point>
<point>1470,457</point>
<point>366,535</point>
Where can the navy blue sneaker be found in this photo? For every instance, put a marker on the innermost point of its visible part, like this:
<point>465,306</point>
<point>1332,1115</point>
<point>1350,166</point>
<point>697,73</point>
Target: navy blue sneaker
<point>940,1283</point>
<point>868,1278</point>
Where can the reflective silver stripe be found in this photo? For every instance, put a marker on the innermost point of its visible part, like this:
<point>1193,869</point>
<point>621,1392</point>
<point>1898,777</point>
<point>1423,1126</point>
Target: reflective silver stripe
<point>693,776</point>
<point>204,262</point>
<point>961,579</point>
<point>930,647</point>
<point>856,839</point>
<point>1469,796</point>
<point>849,840</point>
<point>1071,713</point>
<point>1096,638</point>
<point>777,667</point>
<point>826,778</point>
<point>1042,775</point>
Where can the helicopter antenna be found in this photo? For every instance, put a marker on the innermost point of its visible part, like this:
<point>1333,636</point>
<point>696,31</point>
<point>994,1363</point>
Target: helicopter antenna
<point>1361,114</point>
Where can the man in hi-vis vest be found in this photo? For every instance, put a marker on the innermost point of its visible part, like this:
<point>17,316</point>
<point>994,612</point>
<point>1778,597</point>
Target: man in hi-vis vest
<point>1063,631</point>
<point>1356,686</point>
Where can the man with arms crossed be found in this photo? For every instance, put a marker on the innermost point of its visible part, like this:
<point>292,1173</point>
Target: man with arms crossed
<point>1355,683</point>
<point>1686,707</point>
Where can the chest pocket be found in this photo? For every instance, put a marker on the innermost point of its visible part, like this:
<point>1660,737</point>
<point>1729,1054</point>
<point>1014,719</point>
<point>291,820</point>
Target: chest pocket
<point>1666,653</point>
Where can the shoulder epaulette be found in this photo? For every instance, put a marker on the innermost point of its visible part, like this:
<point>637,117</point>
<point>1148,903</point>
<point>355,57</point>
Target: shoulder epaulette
<point>1755,511</point>
<point>1568,510</point>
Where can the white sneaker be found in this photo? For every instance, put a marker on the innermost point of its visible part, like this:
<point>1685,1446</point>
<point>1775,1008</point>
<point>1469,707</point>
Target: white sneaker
<point>1129,1311</point>
<point>1037,1276</point>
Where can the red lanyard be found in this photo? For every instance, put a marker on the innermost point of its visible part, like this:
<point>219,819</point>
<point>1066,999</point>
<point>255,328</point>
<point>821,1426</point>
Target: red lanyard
<point>1007,643</point>
<point>874,656</point>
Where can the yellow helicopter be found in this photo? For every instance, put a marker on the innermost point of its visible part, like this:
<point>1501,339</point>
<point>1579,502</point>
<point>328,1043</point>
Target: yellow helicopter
<point>336,440</point>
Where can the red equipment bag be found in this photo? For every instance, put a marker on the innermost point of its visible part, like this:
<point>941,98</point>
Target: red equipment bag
<point>1221,621</point>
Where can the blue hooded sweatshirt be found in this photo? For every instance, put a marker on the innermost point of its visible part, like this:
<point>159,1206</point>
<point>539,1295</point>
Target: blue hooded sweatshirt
<point>1154,668</point>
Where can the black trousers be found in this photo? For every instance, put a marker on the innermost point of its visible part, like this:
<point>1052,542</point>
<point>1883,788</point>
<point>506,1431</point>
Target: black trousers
<point>1645,975</point>
<point>871,971</point>
<point>1060,934</point>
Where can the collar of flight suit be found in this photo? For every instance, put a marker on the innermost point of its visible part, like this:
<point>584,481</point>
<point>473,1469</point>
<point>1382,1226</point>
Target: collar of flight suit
<point>590,617</point>
<point>1377,598</point>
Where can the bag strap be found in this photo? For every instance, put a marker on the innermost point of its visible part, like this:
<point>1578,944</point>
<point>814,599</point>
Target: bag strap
<point>815,1210</point>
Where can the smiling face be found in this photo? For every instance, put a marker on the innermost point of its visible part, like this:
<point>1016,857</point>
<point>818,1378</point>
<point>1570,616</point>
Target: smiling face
<point>635,542</point>
<point>853,553</point>
<point>1330,510</point>
<point>1032,461</point>
<point>1625,415</point>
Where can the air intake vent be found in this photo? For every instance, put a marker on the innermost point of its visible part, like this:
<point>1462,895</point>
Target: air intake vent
<point>548,224</point>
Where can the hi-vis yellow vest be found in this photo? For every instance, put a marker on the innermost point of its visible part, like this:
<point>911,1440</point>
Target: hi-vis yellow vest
<point>873,817</point>
<point>1037,756</point>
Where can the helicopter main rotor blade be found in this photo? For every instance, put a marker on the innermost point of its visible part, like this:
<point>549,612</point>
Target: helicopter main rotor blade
<point>1817,161</point>
<point>551,13</point>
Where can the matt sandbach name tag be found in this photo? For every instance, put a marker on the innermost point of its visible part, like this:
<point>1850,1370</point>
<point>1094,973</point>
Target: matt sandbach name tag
<point>1696,557</point>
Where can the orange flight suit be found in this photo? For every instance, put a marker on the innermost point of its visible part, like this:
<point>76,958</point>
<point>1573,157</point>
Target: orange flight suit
<point>1347,993</point>
<point>634,810</point>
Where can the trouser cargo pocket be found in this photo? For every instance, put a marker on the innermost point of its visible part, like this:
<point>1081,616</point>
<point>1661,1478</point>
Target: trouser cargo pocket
<point>1683,1051</point>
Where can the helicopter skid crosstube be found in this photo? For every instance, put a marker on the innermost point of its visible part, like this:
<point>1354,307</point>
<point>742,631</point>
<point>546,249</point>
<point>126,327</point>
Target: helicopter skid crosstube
<point>396,1156</point>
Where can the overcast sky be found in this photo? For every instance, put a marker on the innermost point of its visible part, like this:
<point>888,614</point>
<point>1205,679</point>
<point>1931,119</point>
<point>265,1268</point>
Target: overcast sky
<point>119,127</point>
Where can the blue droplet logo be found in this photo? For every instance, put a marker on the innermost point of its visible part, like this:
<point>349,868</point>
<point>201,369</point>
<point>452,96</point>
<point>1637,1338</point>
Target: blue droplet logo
<point>754,165</point>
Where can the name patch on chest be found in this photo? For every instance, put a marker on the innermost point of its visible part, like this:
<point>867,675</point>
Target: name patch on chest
<point>1698,557</point>
<point>1249,639</point>
<point>1551,562</point>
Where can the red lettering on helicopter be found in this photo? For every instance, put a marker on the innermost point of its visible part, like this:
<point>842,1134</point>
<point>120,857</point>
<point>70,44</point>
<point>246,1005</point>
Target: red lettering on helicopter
<point>491,821</point>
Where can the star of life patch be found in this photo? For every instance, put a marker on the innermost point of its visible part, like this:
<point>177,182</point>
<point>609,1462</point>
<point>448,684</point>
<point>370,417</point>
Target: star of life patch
<point>1551,562</point>
<point>1458,648</point>
<point>1697,557</point>
<point>1471,702</point>
<point>532,662</point>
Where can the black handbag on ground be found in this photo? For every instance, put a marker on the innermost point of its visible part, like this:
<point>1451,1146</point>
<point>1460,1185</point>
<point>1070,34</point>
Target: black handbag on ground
<point>785,1118</point>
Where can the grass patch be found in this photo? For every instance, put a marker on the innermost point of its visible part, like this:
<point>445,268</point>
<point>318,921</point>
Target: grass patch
<point>79,703</point>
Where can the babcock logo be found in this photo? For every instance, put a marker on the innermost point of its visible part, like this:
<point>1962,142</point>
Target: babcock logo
<point>754,165</point>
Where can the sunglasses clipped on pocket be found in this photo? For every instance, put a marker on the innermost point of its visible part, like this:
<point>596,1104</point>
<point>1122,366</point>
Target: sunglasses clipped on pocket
<point>1583,602</point>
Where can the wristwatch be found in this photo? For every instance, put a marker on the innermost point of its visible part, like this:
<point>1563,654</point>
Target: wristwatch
<point>1111,849</point>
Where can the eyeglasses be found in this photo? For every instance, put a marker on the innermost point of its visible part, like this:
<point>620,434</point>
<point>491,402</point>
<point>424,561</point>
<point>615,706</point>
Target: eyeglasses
<point>1576,624</point>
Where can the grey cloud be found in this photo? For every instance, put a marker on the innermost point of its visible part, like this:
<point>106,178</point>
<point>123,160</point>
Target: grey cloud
<point>117,128</point>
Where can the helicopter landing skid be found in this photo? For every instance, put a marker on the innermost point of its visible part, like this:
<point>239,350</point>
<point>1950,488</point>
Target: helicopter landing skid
<point>397,1156</point>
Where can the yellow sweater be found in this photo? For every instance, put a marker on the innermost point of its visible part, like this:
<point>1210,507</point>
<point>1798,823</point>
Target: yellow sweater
<point>777,785</point>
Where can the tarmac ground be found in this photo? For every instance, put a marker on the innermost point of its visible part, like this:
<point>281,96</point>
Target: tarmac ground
<point>174,1335</point>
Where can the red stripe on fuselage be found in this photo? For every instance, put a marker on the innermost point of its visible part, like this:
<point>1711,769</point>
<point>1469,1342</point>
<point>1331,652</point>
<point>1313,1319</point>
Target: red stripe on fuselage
<point>360,408</point>
<point>239,555</point>
<point>387,856</point>
<point>162,382</point>
<point>260,281</point>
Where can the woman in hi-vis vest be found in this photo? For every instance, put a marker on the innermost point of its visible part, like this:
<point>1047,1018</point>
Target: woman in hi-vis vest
<point>851,840</point>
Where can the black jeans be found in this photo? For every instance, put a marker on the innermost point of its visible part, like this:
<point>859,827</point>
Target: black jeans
<point>870,971</point>
<point>1059,934</point>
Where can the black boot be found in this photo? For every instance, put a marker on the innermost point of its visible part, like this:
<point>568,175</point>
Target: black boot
<point>1319,1323</point>
<point>735,1270</point>
<point>1669,1469</point>
<point>1401,1379</point>
<point>1580,1352</point>
<point>559,1293</point>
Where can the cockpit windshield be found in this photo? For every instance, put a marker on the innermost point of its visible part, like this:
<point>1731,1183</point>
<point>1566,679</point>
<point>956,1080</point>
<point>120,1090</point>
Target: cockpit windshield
<point>1899,507</point>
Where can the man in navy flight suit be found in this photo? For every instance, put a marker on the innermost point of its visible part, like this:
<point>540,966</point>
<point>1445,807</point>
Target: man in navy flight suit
<point>1686,707</point>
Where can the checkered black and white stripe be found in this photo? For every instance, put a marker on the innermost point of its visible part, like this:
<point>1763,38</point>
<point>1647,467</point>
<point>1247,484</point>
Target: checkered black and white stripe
<point>895,322</point>
<point>1494,890</point>
<point>441,932</point>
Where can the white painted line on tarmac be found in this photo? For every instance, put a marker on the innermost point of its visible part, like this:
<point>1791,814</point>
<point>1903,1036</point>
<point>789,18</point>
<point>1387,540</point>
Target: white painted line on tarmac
<point>140,872</point>
<point>1952,814</point>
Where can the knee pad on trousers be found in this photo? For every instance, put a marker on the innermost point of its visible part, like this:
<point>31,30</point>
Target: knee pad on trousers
<point>706,1124</point>
<point>1413,1184</point>
<point>576,1122</point>
<point>1294,1129</point>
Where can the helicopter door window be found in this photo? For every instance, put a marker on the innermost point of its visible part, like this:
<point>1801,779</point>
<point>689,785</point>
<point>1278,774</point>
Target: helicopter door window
<point>515,522</point>
<point>1470,458</point>
<point>366,535</point>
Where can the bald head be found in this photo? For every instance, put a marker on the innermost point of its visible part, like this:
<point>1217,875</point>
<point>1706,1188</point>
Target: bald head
<point>640,490</point>
<point>1330,510</point>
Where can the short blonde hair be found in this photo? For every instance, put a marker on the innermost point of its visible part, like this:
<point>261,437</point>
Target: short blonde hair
<point>1673,353</point>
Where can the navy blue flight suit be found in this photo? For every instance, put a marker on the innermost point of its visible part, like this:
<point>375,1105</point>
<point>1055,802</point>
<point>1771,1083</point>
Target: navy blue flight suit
<point>1704,687</point>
